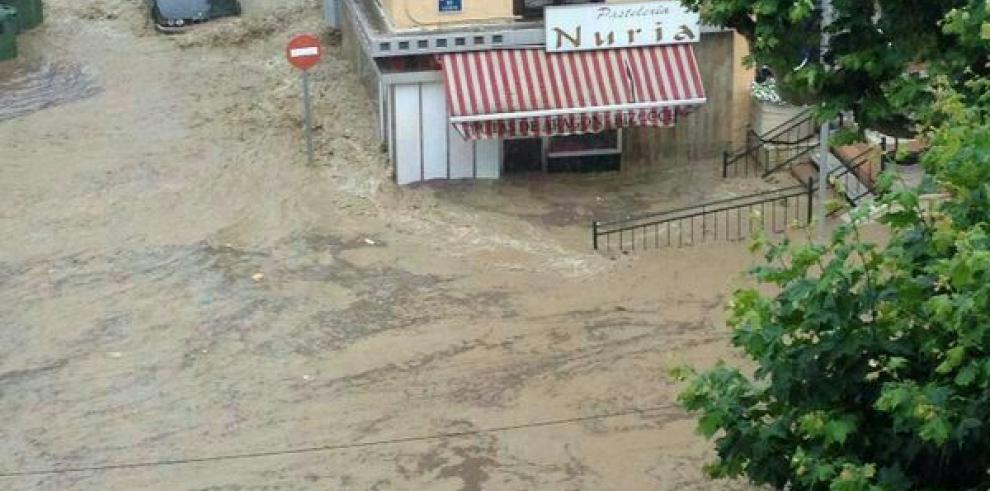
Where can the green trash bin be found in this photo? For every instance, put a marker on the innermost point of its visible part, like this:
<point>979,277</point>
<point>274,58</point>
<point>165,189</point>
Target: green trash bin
<point>8,32</point>
<point>30,13</point>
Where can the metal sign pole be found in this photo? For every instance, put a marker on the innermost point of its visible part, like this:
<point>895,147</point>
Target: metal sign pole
<point>824,152</point>
<point>307,116</point>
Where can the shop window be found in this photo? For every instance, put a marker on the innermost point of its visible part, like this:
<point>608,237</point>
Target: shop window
<point>460,41</point>
<point>604,143</point>
<point>497,39</point>
<point>422,44</point>
<point>594,152</point>
<point>441,43</point>
<point>403,44</point>
<point>479,40</point>
<point>385,46</point>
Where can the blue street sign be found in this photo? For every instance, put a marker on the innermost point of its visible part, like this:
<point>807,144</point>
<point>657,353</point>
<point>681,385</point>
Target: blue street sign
<point>450,5</point>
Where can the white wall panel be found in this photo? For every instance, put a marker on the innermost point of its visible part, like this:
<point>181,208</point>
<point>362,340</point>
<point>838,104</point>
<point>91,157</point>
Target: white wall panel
<point>408,152</point>
<point>426,146</point>
<point>461,155</point>
<point>488,158</point>
<point>434,125</point>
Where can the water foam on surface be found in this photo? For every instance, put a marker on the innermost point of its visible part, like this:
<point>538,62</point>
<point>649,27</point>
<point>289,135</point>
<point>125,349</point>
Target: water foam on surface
<point>29,88</point>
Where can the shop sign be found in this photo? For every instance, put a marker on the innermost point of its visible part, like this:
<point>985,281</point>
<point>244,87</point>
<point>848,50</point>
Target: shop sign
<point>450,5</point>
<point>619,25</point>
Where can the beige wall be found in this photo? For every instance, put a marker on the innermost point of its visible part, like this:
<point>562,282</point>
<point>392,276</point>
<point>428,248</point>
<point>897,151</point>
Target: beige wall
<point>741,92</point>
<point>710,129</point>
<point>420,14</point>
<point>425,14</point>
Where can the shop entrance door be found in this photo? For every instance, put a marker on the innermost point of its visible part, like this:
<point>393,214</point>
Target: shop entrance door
<point>523,155</point>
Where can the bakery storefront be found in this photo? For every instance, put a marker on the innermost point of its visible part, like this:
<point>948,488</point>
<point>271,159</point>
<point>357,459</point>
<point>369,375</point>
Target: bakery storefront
<point>605,87</point>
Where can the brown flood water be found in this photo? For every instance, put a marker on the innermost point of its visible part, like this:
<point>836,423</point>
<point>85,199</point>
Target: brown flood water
<point>175,284</point>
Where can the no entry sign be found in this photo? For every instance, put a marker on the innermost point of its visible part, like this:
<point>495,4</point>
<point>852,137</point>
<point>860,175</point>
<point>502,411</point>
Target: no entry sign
<point>304,51</point>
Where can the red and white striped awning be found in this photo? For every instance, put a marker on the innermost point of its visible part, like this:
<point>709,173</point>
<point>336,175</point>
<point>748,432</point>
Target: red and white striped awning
<point>529,92</point>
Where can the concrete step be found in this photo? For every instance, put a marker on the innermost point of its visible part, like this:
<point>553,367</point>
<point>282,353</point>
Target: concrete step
<point>853,186</point>
<point>804,171</point>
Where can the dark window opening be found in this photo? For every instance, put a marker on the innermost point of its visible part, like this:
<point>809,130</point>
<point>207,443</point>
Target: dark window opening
<point>604,142</point>
<point>522,155</point>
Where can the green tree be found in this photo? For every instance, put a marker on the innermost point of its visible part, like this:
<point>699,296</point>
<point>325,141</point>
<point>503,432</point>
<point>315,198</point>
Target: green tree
<point>873,361</point>
<point>877,49</point>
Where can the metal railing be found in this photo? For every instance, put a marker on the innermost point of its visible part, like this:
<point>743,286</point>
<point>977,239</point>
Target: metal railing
<point>781,146</point>
<point>855,178</point>
<point>728,219</point>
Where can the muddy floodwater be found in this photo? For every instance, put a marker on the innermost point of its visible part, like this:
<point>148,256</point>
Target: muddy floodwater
<point>25,88</point>
<point>186,305</point>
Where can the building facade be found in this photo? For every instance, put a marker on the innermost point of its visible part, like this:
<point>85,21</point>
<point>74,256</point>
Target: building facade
<point>475,89</point>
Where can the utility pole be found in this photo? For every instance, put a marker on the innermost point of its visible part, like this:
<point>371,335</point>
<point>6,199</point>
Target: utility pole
<point>824,152</point>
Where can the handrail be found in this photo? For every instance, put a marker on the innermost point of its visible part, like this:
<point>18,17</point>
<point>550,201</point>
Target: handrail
<point>777,131</point>
<point>711,213</point>
<point>849,167</point>
<point>794,131</point>
<point>757,196</point>
<point>789,160</point>
<point>794,121</point>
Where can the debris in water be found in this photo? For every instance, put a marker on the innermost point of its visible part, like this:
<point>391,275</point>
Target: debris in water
<point>115,354</point>
<point>33,87</point>
<point>258,276</point>
<point>369,242</point>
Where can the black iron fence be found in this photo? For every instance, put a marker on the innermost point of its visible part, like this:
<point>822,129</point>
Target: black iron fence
<point>729,219</point>
<point>764,154</point>
<point>855,179</point>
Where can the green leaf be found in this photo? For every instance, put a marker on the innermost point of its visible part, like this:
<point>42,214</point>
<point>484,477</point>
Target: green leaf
<point>966,376</point>
<point>935,430</point>
<point>822,472</point>
<point>709,424</point>
<point>892,398</point>
<point>837,430</point>
<point>953,358</point>
<point>896,363</point>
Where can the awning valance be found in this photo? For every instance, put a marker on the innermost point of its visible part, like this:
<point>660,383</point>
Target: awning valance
<point>529,92</point>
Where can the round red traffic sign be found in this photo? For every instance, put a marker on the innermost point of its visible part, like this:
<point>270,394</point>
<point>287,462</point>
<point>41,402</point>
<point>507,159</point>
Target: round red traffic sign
<point>304,51</point>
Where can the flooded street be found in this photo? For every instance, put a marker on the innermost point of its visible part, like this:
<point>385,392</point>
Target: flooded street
<point>185,304</point>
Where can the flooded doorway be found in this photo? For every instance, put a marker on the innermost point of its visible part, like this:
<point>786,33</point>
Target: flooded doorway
<point>523,155</point>
<point>593,152</point>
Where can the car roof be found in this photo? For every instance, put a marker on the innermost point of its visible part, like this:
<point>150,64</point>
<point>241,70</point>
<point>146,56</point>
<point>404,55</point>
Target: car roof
<point>184,9</point>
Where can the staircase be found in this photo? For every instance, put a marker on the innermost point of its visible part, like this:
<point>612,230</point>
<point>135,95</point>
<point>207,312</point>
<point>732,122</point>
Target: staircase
<point>788,144</point>
<point>795,146</point>
<point>792,146</point>
<point>852,172</point>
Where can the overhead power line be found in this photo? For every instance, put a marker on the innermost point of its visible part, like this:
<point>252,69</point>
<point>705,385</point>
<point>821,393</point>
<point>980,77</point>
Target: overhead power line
<point>330,447</point>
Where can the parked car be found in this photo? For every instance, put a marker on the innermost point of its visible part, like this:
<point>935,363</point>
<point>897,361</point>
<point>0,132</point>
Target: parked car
<point>177,15</point>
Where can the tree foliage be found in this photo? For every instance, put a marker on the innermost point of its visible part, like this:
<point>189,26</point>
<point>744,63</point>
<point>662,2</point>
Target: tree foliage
<point>873,360</point>
<point>875,51</point>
